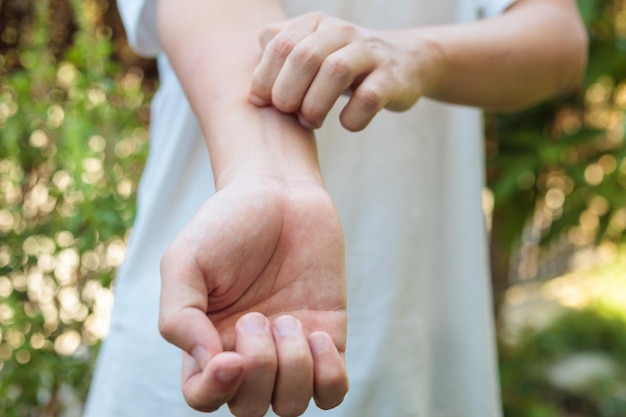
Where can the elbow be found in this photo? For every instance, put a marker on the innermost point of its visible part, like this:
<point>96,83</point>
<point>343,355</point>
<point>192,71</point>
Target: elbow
<point>575,58</point>
<point>565,56</point>
<point>563,74</point>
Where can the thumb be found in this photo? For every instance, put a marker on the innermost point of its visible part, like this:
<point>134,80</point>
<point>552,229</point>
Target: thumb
<point>210,376</point>
<point>182,315</point>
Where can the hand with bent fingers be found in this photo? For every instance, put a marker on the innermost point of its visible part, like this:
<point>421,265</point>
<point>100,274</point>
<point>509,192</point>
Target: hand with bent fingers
<point>309,61</point>
<point>253,291</point>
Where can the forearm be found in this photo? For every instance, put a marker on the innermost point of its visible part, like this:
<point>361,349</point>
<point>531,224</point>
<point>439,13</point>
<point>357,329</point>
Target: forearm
<point>213,47</point>
<point>533,51</point>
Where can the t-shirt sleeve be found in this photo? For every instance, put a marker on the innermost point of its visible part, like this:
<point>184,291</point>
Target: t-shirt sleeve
<point>139,17</point>
<point>493,7</point>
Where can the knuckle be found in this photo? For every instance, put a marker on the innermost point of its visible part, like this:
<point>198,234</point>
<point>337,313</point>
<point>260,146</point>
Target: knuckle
<point>331,390</point>
<point>270,31</point>
<point>262,92</point>
<point>260,84</point>
<point>200,404</point>
<point>346,29</point>
<point>289,410</point>
<point>338,390</point>
<point>336,381</point>
<point>330,403</point>
<point>281,46</point>
<point>313,114</point>
<point>369,98</point>
<point>243,410</point>
<point>167,326</point>
<point>306,56</point>
<point>352,122</point>
<point>261,362</point>
<point>337,67</point>
<point>284,104</point>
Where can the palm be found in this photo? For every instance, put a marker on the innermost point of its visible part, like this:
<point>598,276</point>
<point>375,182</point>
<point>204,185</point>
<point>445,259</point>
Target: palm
<point>273,251</point>
<point>260,251</point>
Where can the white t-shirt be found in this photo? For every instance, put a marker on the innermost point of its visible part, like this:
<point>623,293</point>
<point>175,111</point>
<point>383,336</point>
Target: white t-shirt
<point>408,190</point>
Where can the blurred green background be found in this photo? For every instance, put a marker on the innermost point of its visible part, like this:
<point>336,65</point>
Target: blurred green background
<point>74,108</point>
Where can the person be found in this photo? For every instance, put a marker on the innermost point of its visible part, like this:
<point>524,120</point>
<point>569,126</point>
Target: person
<point>249,236</point>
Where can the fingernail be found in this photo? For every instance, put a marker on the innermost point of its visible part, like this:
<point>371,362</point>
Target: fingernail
<point>305,124</point>
<point>257,101</point>
<point>228,374</point>
<point>254,323</point>
<point>286,325</point>
<point>201,355</point>
<point>318,343</point>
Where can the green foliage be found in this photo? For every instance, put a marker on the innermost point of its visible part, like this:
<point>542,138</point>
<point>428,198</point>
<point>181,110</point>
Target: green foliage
<point>72,146</point>
<point>73,143</point>
<point>595,329</point>
<point>525,386</point>
<point>560,166</point>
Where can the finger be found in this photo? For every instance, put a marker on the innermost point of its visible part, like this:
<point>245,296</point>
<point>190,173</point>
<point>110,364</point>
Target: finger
<point>294,380</point>
<point>274,55</point>
<point>339,71</point>
<point>329,371</point>
<point>183,305</point>
<point>302,66</point>
<point>256,344</point>
<point>369,97</point>
<point>210,377</point>
<point>270,31</point>
<point>208,389</point>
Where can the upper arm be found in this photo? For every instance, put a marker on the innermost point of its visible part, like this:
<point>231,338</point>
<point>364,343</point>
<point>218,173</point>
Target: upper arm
<point>562,17</point>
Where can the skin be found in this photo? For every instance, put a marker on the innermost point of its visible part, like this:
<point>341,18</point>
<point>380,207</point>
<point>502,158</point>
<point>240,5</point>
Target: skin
<point>309,61</point>
<point>253,288</point>
<point>275,308</point>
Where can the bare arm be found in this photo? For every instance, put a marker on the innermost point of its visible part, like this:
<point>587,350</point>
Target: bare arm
<point>213,48</point>
<point>533,51</point>
<point>253,288</point>
<point>537,49</point>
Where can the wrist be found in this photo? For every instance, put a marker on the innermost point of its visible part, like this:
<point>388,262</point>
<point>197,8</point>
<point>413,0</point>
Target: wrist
<point>250,143</point>
<point>427,58</point>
